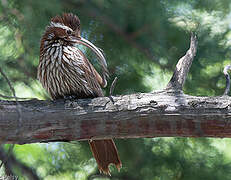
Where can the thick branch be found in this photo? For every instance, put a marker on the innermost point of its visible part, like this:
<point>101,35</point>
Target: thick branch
<point>131,116</point>
<point>183,66</point>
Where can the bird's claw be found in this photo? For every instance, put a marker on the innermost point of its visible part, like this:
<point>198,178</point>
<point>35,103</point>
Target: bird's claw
<point>70,97</point>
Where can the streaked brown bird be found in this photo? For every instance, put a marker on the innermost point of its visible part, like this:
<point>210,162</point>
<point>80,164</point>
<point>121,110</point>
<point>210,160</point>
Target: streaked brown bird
<point>65,71</point>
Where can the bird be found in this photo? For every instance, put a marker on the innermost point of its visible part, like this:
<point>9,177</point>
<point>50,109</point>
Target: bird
<point>64,71</point>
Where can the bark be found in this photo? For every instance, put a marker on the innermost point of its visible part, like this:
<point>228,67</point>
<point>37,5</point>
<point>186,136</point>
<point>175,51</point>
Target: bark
<point>163,113</point>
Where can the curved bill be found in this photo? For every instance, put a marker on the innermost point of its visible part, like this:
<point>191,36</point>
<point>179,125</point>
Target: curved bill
<point>96,50</point>
<point>99,54</point>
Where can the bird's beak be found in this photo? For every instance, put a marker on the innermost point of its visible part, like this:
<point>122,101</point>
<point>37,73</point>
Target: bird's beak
<point>101,58</point>
<point>88,44</point>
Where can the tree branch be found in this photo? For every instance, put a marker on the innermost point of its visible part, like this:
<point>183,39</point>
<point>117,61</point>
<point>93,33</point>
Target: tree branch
<point>155,114</point>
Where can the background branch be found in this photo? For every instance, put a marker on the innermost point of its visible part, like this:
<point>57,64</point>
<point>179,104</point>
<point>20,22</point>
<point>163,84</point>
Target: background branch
<point>19,119</point>
<point>12,162</point>
<point>129,38</point>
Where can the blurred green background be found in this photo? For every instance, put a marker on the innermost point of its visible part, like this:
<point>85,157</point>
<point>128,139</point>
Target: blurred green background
<point>142,40</point>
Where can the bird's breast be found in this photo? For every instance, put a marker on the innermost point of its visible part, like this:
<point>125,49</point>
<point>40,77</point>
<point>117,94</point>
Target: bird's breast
<point>62,72</point>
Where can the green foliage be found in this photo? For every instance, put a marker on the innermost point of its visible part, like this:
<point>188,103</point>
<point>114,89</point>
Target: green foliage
<point>142,41</point>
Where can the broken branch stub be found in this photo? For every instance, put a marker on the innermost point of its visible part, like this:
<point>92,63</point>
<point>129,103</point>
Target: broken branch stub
<point>182,67</point>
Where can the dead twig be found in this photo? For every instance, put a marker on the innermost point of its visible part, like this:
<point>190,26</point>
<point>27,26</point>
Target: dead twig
<point>113,86</point>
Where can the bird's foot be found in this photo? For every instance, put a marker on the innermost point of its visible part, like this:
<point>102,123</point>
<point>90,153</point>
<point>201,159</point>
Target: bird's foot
<point>70,97</point>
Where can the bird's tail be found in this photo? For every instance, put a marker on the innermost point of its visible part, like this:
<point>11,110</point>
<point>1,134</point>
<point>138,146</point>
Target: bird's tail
<point>105,153</point>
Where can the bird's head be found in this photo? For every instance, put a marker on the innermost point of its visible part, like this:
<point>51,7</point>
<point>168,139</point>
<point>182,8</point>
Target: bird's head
<point>65,30</point>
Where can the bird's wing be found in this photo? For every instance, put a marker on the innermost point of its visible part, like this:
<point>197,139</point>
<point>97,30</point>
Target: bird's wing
<point>92,79</point>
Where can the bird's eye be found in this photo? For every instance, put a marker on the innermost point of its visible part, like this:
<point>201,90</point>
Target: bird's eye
<point>69,32</point>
